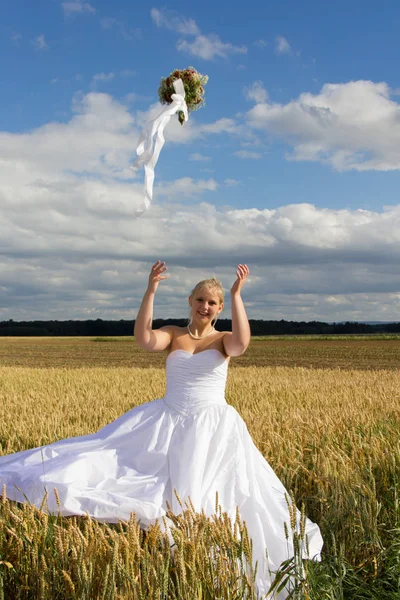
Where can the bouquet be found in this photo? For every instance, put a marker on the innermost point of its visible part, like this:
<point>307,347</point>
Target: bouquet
<point>183,91</point>
<point>193,83</point>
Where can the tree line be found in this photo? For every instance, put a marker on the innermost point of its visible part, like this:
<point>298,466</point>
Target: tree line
<point>99,327</point>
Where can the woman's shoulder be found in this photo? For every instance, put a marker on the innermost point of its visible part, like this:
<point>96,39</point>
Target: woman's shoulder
<point>223,334</point>
<point>174,329</point>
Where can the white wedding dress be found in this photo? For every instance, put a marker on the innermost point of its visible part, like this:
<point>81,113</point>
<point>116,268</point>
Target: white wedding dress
<point>190,440</point>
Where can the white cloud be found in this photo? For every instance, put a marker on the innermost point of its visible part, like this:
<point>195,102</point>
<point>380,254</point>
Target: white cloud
<point>202,46</point>
<point>223,125</point>
<point>260,43</point>
<point>231,182</point>
<point>174,22</point>
<point>69,242</point>
<point>352,125</point>
<point>40,43</point>
<point>256,92</point>
<point>282,46</point>
<point>186,187</point>
<point>208,47</point>
<point>99,139</point>
<point>69,252</point>
<point>248,154</point>
<point>103,77</point>
<point>199,157</point>
<point>77,7</point>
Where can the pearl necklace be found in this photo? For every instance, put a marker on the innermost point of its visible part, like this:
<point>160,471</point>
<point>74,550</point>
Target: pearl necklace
<point>199,337</point>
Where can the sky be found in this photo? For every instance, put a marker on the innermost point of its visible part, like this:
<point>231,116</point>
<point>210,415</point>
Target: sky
<point>292,166</point>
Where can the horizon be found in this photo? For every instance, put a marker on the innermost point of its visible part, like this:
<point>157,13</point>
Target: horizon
<point>219,320</point>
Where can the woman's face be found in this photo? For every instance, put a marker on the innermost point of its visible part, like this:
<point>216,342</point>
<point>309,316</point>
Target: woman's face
<point>205,305</point>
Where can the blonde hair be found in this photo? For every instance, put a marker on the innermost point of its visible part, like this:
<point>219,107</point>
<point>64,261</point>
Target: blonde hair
<point>213,284</point>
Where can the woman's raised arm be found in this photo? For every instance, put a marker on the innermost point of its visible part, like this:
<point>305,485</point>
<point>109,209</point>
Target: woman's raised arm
<point>147,338</point>
<point>235,343</point>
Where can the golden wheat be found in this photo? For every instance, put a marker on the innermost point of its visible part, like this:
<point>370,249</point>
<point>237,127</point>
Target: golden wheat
<point>332,436</point>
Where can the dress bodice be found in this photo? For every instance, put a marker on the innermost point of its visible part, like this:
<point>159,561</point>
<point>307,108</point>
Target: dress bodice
<point>195,381</point>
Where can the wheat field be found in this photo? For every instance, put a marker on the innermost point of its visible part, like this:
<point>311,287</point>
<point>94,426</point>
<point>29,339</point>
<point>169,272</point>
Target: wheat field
<point>331,435</point>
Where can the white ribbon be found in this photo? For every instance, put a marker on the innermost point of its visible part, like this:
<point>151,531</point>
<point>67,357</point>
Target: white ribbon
<point>148,151</point>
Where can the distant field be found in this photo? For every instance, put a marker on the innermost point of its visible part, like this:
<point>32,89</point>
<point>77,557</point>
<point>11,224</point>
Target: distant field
<point>326,352</point>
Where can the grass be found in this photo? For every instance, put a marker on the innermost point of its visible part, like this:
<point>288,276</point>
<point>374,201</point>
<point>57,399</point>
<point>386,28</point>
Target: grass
<point>331,435</point>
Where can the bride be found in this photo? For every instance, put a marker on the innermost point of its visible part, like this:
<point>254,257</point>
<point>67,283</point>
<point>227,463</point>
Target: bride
<point>191,440</point>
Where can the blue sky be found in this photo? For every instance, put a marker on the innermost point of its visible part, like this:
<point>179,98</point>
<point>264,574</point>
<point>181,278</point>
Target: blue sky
<point>293,165</point>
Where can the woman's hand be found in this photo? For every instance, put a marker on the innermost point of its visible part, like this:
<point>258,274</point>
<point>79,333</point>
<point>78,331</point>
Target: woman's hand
<point>156,275</point>
<point>242,272</point>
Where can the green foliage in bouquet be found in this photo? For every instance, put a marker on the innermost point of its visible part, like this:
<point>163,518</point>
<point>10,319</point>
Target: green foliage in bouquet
<point>193,82</point>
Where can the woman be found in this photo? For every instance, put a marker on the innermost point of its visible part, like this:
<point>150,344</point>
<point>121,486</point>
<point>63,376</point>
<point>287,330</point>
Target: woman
<point>191,440</point>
